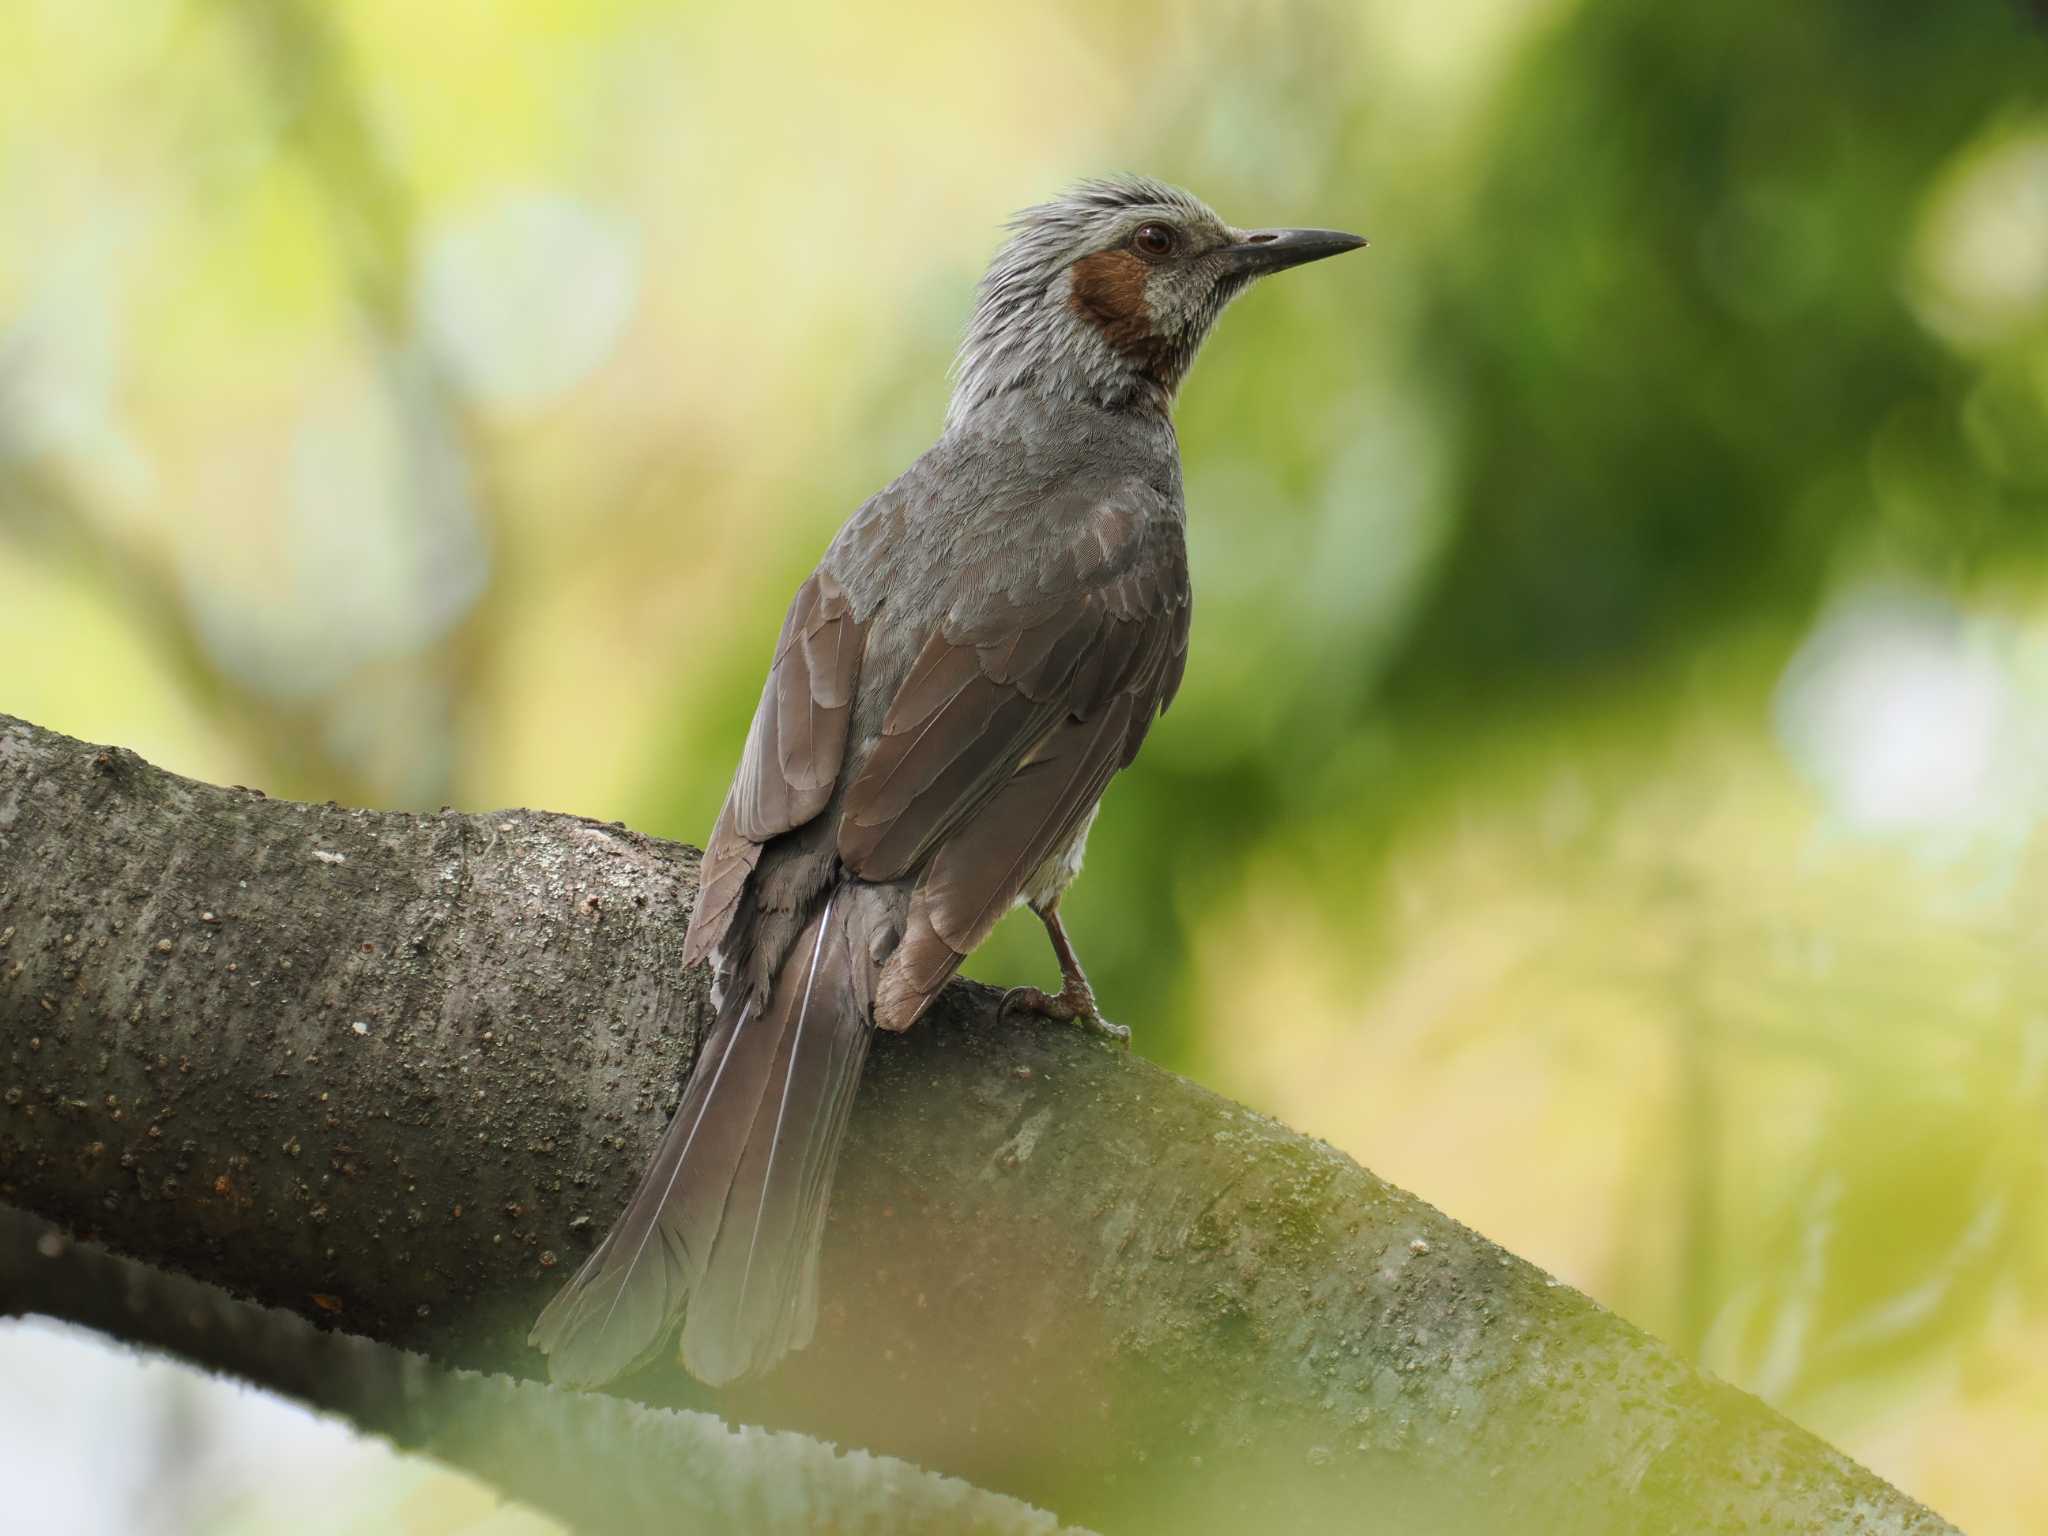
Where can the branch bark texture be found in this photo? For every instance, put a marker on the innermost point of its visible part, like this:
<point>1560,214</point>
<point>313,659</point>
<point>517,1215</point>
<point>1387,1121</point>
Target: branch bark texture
<point>396,1073</point>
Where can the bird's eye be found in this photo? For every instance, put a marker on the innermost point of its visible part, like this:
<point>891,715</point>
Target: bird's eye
<point>1156,239</point>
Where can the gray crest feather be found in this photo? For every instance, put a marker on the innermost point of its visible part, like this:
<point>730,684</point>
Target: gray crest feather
<point>1024,331</point>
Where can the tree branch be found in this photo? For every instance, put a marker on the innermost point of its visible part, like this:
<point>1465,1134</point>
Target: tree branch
<point>398,1072</point>
<point>604,1466</point>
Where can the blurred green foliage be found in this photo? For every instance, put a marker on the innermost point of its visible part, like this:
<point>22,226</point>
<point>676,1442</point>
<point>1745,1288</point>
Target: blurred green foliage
<point>1606,790</point>
<point>1674,326</point>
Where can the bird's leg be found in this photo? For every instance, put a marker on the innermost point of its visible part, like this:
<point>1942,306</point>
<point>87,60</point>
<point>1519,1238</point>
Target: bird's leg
<point>1076,1000</point>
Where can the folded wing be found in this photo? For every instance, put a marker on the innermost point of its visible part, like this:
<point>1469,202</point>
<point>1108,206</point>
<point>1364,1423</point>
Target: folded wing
<point>1022,703</point>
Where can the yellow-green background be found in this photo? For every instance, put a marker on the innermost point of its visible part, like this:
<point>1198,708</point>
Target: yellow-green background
<point>1606,793</point>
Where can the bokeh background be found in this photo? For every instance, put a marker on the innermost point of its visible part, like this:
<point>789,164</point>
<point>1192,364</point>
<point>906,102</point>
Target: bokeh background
<point>1607,792</point>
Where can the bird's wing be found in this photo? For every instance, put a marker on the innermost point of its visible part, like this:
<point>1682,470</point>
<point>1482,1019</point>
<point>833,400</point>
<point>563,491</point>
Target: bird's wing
<point>1024,700</point>
<point>794,754</point>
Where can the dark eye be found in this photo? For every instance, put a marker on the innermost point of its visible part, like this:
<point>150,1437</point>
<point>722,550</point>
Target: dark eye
<point>1156,239</point>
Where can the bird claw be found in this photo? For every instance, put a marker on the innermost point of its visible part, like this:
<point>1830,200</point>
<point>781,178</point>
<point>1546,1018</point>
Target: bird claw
<point>1044,1004</point>
<point>1074,1005</point>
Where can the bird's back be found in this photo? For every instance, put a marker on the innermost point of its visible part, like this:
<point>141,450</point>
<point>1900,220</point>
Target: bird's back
<point>1027,508</point>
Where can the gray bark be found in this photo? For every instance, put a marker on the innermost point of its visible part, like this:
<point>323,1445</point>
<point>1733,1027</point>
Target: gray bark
<point>396,1073</point>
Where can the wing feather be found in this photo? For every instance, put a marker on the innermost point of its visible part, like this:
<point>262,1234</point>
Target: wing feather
<point>795,752</point>
<point>1019,709</point>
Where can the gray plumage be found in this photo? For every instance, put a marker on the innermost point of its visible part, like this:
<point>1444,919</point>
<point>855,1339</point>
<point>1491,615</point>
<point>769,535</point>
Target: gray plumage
<point>982,647</point>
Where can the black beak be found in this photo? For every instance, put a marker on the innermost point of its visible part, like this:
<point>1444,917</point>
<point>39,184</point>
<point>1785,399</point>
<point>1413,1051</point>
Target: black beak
<point>1260,251</point>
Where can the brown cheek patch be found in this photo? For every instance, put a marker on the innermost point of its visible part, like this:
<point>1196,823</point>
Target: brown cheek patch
<point>1109,288</point>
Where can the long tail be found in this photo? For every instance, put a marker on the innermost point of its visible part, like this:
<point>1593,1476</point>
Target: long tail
<point>725,1226</point>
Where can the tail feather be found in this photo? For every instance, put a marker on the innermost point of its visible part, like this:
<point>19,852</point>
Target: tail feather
<point>757,1297</point>
<point>840,1078</point>
<point>724,1228</point>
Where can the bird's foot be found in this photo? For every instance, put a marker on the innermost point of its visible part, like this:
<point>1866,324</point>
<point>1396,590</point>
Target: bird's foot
<point>1074,1004</point>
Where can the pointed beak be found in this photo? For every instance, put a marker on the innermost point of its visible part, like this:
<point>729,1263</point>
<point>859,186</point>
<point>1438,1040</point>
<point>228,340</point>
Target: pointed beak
<point>1259,251</point>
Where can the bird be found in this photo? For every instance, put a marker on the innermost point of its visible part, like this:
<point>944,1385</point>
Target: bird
<point>984,644</point>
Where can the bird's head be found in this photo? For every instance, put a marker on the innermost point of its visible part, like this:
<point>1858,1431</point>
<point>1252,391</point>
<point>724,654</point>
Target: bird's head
<point>1105,293</point>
